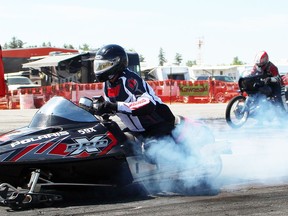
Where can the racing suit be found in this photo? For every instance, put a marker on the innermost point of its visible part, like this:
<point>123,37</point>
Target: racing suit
<point>274,80</point>
<point>138,107</point>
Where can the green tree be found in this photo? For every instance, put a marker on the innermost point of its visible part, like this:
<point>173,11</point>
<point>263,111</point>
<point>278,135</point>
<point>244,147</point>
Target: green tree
<point>161,57</point>
<point>141,58</point>
<point>236,61</point>
<point>131,50</point>
<point>84,47</point>
<point>15,43</point>
<point>68,46</point>
<point>190,63</point>
<point>32,46</point>
<point>46,44</point>
<point>178,59</point>
<point>5,46</point>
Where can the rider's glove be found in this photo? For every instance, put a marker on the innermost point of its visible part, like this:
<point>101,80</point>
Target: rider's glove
<point>267,80</point>
<point>106,107</point>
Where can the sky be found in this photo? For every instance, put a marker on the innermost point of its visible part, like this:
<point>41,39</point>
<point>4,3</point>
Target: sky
<point>227,28</point>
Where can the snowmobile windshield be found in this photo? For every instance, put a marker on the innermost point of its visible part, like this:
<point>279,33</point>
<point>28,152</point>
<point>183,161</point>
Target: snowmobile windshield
<point>250,81</point>
<point>251,73</point>
<point>60,111</point>
<point>246,73</point>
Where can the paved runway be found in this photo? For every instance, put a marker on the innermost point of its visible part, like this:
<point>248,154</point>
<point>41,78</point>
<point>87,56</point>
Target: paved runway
<point>254,177</point>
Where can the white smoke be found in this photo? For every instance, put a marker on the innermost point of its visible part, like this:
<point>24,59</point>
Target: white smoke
<point>191,165</point>
<point>257,158</point>
<point>259,155</point>
<point>260,150</point>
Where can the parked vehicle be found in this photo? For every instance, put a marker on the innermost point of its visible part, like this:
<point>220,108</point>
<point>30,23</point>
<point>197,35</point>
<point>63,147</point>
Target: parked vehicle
<point>20,82</point>
<point>216,77</point>
<point>67,67</point>
<point>168,72</point>
<point>20,86</point>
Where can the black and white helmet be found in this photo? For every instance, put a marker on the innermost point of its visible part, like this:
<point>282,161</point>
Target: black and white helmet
<point>110,60</point>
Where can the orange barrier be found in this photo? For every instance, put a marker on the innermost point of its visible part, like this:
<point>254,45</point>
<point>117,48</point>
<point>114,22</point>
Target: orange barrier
<point>194,91</point>
<point>26,99</point>
<point>172,91</point>
<point>87,90</point>
<point>13,102</point>
<point>203,91</point>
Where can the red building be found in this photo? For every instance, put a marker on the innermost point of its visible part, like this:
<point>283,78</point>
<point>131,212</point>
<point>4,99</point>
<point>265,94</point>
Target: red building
<point>14,58</point>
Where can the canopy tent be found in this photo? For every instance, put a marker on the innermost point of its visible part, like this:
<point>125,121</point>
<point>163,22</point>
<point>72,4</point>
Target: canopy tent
<point>49,61</point>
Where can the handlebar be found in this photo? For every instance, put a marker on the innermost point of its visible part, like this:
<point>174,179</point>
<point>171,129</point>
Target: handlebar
<point>92,105</point>
<point>261,83</point>
<point>89,104</point>
<point>251,84</point>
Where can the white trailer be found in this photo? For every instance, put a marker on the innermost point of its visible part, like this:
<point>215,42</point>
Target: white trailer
<point>169,72</point>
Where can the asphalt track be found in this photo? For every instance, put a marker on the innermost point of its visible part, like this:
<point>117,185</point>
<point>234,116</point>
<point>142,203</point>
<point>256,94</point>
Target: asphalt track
<point>253,180</point>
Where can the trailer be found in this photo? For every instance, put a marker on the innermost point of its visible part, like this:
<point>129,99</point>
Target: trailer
<point>173,72</point>
<point>77,67</point>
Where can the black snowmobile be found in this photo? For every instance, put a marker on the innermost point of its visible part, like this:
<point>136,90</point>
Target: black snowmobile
<point>66,144</point>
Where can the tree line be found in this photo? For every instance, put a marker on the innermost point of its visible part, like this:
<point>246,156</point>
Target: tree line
<point>17,43</point>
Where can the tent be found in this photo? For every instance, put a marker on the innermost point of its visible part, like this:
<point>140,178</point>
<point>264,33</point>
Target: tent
<point>50,61</point>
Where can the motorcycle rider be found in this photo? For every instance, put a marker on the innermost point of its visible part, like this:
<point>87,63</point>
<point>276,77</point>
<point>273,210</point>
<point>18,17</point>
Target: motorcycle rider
<point>129,96</point>
<point>272,79</point>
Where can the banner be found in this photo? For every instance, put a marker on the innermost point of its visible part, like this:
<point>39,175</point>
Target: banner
<point>2,80</point>
<point>194,90</point>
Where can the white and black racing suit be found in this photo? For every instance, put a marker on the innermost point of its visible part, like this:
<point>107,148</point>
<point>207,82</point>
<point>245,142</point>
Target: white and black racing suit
<point>138,107</point>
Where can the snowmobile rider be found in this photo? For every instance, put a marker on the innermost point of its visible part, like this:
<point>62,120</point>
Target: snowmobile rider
<point>129,96</point>
<point>273,79</point>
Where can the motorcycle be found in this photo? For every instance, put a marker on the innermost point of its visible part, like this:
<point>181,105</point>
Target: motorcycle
<point>254,101</point>
<point>67,145</point>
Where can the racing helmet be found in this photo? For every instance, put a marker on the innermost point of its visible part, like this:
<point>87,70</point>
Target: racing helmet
<point>110,60</point>
<point>261,59</point>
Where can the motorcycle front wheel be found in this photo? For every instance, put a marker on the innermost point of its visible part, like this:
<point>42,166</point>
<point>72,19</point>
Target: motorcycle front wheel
<point>236,115</point>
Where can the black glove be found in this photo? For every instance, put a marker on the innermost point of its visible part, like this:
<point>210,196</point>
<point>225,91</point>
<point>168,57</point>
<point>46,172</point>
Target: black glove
<point>105,107</point>
<point>267,80</point>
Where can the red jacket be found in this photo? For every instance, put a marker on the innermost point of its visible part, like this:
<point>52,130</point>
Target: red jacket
<point>270,70</point>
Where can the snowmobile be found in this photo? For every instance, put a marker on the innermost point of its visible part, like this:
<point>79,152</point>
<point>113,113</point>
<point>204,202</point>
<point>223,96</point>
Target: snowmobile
<point>66,144</point>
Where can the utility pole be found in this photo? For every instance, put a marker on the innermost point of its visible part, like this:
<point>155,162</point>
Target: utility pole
<point>200,43</point>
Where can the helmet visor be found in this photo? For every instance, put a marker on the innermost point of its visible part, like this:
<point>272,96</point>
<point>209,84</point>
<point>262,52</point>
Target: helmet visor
<point>104,65</point>
<point>260,64</point>
<point>261,59</point>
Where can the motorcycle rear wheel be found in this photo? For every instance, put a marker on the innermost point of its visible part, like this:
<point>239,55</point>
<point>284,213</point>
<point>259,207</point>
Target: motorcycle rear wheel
<point>236,115</point>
